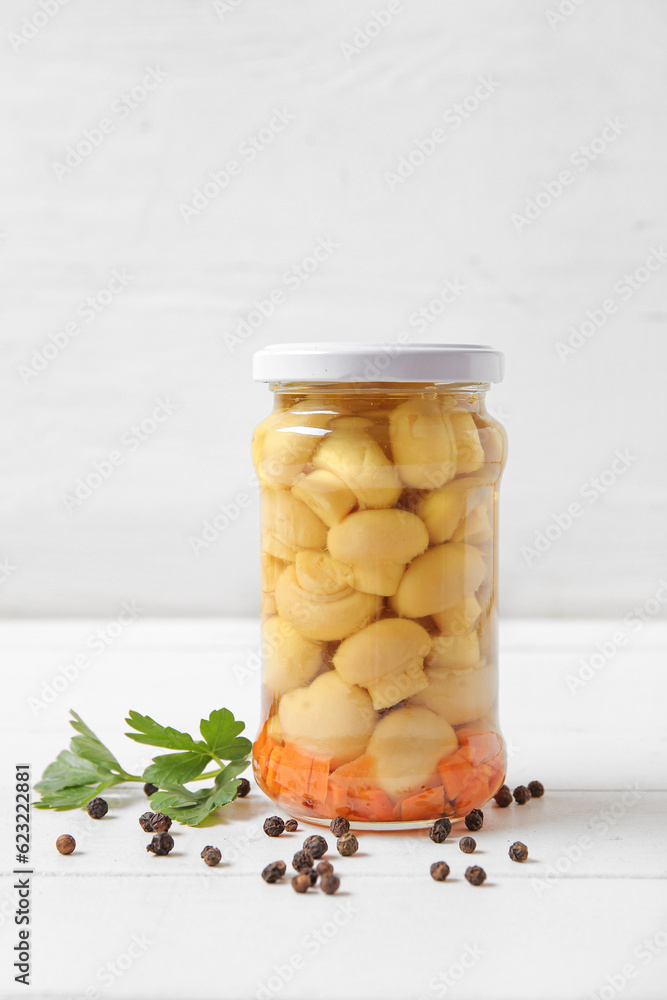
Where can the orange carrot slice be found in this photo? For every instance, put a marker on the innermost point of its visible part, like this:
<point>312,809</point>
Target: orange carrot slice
<point>425,805</point>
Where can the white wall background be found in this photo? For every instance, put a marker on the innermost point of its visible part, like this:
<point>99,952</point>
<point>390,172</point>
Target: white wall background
<point>226,67</point>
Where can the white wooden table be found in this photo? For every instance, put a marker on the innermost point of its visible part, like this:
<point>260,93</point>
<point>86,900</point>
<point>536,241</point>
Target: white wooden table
<point>585,917</point>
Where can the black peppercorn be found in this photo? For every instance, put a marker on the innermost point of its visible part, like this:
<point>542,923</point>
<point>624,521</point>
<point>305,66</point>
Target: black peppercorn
<point>439,871</point>
<point>521,795</point>
<point>329,883</point>
<point>311,873</point>
<point>301,883</point>
<point>467,844</point>
<point>440,830</point>
<point>243,788</point>
<point>475,875</point>
<point>536,789</point>
<point>324,868</point>
<point>65,844</point>
<point>291,825</point>
<point>273,826</point>
<point>97,808</point>
<point>211,856</point>
<point>302,861</point>
<point>475,819</point>
<point>503,797</point>
<point>316,845</point>
<point>161,843</point>
<point>150,789</point>
<point>518,851</point>
<point>347,845</point>
<point>274,871</point>
<point>160,823</point>
<point>145,822</point>
<point>339,826</point>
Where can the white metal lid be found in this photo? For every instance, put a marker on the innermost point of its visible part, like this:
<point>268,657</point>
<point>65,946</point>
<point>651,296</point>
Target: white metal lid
<point>367,362</point>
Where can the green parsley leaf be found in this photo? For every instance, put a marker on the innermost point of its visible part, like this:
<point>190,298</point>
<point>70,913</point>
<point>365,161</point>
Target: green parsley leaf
<point>71,781</point>
<point>193,809</point>
<point>221,732</point>
<point>178,768</point>
<point>90,747</point>
<point>150,731</point>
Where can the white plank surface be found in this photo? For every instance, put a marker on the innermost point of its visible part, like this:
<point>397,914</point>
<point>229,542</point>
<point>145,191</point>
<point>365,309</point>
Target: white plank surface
<point>588,910</point>
<point>227,66</point>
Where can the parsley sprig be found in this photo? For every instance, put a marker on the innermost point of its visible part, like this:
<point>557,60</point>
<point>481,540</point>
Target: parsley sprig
<point>88,768</point>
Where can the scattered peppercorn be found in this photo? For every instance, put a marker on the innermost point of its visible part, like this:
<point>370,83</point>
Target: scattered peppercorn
<point>301,883</point>
<point>521,795</point>
<point>316,845</point>
<point>302,861</point>
<point>312,875</point>
<point>475,875</point>
<point>347,845</point>
<point>243,788</point>
<point>65,844</point>
<point>440,830</point>
<point>274,871</point>
<point>467,844</point>
<point>439,871</point>
<point>503,797</point>
<point>162,843</point>
<point>536,789</point>
<point>475,819</point>
<point>160,823</point>
<point>518,851</point>
<point>150,789</point>
<point>146,822</point>
<point>324,868</point>
<point>329,883</point>
<point>339,826</point>
<point>97,808</point>
<point>211,856</point>
<point>273,826</point>
<point>291,825</point>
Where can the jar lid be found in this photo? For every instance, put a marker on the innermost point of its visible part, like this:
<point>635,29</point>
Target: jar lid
<point>367,362</point>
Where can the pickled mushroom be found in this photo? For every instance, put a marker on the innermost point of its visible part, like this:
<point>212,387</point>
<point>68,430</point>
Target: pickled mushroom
<point>387,659</point>
<point>439,578</point>
<point>407,745</point>
<point>329,718</point>
<point>458,695</point>
<point>352,455</point>
<point>326,494</point>
<point>378,544</point>
<point>423,443</point>
<point>290,659</point>
<point>326,616</point>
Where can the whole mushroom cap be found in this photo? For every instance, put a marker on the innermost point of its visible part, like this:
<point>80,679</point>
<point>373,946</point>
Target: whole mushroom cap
<point>437,579</point>
<point>289,659</point>
<point>407,745</point>
<point>458,696</point>
<point>353,456</point>
<point>289,525</point>
<point>386,658</point>
<point>377,537</point>
<point>329,718</point>
<point>324,617</point>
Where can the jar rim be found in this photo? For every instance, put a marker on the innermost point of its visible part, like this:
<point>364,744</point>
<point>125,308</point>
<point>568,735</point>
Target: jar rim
<point>378,362</point>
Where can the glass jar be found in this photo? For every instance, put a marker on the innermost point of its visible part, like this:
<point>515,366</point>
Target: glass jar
<point>379,470</point>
